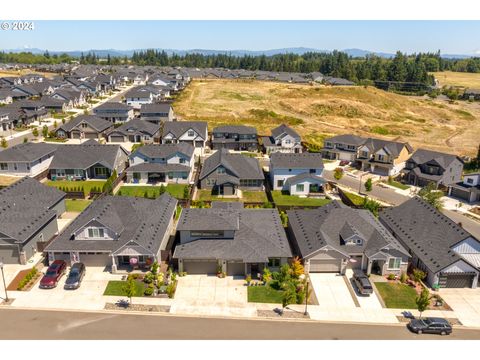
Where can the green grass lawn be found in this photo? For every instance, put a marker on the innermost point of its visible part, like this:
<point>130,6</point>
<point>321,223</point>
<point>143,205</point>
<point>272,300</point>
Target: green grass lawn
<point>176,190</point>
<point>114,288</point>
<point>292,200</point>
<point>397,296</point>
<point>76,205</point>
<point>398,185</point>
<point>356,199</point>
<point>87,185</point>
<point>248,196</point>
<point>264,294</point>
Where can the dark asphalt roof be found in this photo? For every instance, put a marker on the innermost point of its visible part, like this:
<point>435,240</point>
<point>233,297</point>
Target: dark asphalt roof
<point>27,152</point>
<point>137,126</point>
<point>243,167</point>
<point>347,139</point>
<point>304,160</point>
<point>93,121</point>
<point>178,128</point>
<point>284,129</point>
<point>155,151</point>
<point>85,155</point>
<point>235,129</point>
<point>422,156</point>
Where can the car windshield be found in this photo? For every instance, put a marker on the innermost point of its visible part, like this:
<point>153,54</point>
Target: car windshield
<point>51,273</point>
<point>427,322</point>
<point>73,272</point>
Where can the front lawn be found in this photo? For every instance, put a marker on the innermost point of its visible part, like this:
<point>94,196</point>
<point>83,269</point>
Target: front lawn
<point>396,295</point>
<point>264,294</point>
<point>115,288</point>
<point>292,200</point>
<point>356,199</point>
<point>398,185</point>
<point>176,190</point>
<point>247,196</point>
<point>76,205</point>
<point>86,185</point>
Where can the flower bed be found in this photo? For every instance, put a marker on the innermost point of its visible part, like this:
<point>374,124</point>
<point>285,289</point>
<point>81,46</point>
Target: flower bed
<point>25,280</point>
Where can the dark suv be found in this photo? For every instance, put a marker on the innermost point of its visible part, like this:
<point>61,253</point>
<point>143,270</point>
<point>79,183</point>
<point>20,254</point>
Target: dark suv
<point>430,325</point>
<point>363,284</point>
<point>53,274</point>
<point>75,276</point>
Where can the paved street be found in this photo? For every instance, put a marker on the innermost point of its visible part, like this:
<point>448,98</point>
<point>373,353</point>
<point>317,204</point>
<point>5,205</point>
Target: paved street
<point>43,325</point>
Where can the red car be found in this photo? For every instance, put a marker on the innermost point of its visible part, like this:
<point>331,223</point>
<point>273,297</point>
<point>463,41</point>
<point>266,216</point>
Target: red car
<point>53,274</point>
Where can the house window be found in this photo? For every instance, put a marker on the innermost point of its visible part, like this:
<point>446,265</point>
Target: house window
<point>280,183</point>
<point>363,154</point>
<point>28,167</point>
<point>299,187</point>
<point>469,180</point>
<point>274,262</point>
<point>3,166</point>
<point>101,171</point>
<point>288,141</point>
<point>312,171</point>
<point>191,133</point>
<point>220,170</point>
<point>182,161</point>
<point>394,263</point>
<point>95,233</point>
<point>15,166</point>
<point>381,157</point>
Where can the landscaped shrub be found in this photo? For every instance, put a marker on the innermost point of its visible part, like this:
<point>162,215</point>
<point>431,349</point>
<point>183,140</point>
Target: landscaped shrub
<point>28,277</point>
<point>170,290</point>
<point>403,277</point>
<point>154,268</point>
<point>248,279</point>
<point>149,277</point>
<point>391,277</point>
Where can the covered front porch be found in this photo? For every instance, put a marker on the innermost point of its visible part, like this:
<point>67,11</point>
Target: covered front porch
<point>132,257</point>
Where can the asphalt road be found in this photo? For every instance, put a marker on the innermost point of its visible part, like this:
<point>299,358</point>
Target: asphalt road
<point>63,325</point>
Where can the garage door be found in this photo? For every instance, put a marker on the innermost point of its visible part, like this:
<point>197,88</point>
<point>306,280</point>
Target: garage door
<point>459,193</point>
<point>200,267</point>
<point>235,268</point>
<point>456,280</point>
<point>96,259</point>
<point>355,262</point>
<point>116,139</point>
<point>75,135</point>
<point>91,135</point>
<point>331,265</point>
<point>9,254</point>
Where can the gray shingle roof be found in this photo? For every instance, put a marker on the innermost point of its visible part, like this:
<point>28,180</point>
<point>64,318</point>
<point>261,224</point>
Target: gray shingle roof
<point>392,147</point>
<point>278,131</point>
<point>302,177</point>
<point>85,155</point>
<point>422,156</point>
<point>155,151</point>
<point>347,139</point>
<point>25,207</point>
<point>113,106</point>
<point>241,166</point>
<point>235,129</point>
<point>178,128</point>
<point>155,108</point>
<point>93,121</point>
<point>137,126</point>
<point>27,152</point>
<point>324,227</point>
<point>427,232</point>
<point>156,167</point>
<point>134,219</point>
<point>304,160</point>
<point>259,235</point>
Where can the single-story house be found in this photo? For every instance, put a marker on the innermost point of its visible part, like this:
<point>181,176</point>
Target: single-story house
<point>28,159</point>
<point>28,219</point>
<point>231,239</point>
<point>156,113</point>
<point>84,127</point>
<point>335,237</point>
<point>114,112</point>
<point>136,131</point>
<point>137,98</point>
<point>117,232</point>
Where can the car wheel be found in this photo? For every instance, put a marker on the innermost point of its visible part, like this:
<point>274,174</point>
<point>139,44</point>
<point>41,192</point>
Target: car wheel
<point>419,332</point>
<point>443,333</point>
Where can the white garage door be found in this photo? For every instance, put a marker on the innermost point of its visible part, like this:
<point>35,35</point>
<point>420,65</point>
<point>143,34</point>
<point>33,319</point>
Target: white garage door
<point>235,268</point>
<point>116,139</point>
<point>199,267</point>
<point>96,259</point>
<point>330,265</point>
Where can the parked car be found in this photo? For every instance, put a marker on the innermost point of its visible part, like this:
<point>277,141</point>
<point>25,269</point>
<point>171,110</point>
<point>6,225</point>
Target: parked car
<point>75,276</point>
<point>54,272</point>
<point>363,284</point>
<point>430,325</point>
<point>344,162</point>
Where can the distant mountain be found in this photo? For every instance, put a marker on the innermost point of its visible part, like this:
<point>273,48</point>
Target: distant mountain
<point>294,50</point>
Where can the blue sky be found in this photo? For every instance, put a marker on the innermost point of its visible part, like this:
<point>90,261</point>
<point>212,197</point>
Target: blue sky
<point>452,37</point>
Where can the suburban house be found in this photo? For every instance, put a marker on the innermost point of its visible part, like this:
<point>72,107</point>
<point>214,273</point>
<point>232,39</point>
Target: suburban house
<point>5,96</point>
<point>235,137</point>
<point>335,237</point>
<point>114,112</point>
<point>449,255</point>
<point>194,133</point>
<point>231,239</point>
<point>342,147</point>
<point>426,166</point>
<point>117,232</point>
<point>156,113</point>
<point>136,131</point>
<point>471,94</point>
<point>468,189</point>
<point>75,97</point>
<point>28,159</point>
<point>225,173</point>
<point>84,127</point>
<point>383,157</point>
<point>89,160</point>
<point>166,163</point>
<point>283,139</point>
<point>28,219</point>
<point>136,98</point>
<point>299,174</point>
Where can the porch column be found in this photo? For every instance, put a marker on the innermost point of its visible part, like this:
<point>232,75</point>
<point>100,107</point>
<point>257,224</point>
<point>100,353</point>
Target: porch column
<point>224,265</point>
<point>114,265</point>
<point>369,267</point>
<point>180,265</point>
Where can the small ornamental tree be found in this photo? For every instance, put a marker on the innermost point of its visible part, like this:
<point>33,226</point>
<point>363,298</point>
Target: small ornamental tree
<point>25,140</point>
<point>289,295</point>
<point>162,189</point>
<point>45,131</point>
<point>55,124</point>
<point>130,289</point>
<point>368,185</point>
<point>35,132</point>
<point>431,195</point>
<point>338,174</point>
<point>422,301</point>
<point>418,275</point>
<point>297,267</point>
<point>186,192</point>
<point>4,143</point>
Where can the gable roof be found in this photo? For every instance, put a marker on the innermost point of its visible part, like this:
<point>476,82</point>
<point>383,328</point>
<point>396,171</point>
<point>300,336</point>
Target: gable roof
<point>85,155</point>
<point>154,151</point>
<point>27,152</point>
<point>113,106</point>
<point>347,139</point>
<point>235,129</point>
<point>137,126</point>
<point>178,128</point>
<point>426,231</point>
<point>93,121</point>
<point>422,156</point>
<point>393,148</point>
<point>304,160</point>
<point>284,129</point>
<point>155,108</point>
<point>241,166</point>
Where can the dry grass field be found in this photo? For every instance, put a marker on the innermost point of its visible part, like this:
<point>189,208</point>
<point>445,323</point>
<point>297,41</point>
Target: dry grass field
<point>450,78</point>
<point>6,73</point>
<point>317,111</point>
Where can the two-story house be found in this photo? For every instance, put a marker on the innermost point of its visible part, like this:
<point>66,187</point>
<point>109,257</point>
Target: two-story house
<point>114,112</point>
<point>225,173</point>
<point>165,163</point>
<point>335,237</point>
<point>136,131</point>
<point>342,147</point>
<point>235,137</point>
<point>194,133</point>
<point>426,166</point>
<point>283,139</point>
<point>298,174</point>
<point>228,238</point>
<point>156,113</point>
<point>468,189</point>
<point>28,159</point>
<point>383,157</point>
<point>117,232</point>
<point>84,127</point>
<point>137,97</point>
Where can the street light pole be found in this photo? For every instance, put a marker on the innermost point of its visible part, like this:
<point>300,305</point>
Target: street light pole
<point>306,301</point>
<point>4,284</point>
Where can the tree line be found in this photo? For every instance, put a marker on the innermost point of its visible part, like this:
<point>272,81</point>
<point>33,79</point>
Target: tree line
<point>413,68</point>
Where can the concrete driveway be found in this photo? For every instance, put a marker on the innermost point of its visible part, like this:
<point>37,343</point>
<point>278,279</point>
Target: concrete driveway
<point>465,303</point>
<point>365,302</point>
<point>331,290</point>
<point>210,295</point>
